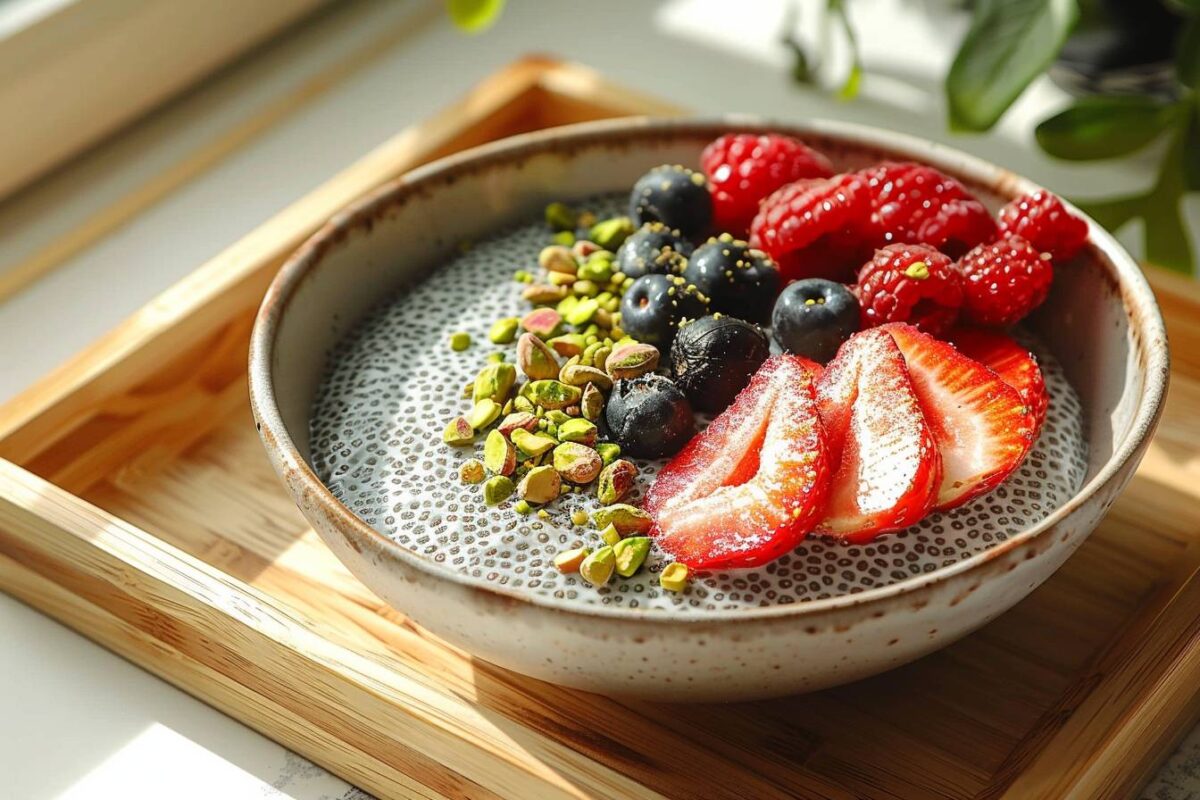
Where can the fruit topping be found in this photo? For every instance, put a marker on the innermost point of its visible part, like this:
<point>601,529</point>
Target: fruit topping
<point>1041,219</point>
<point>915,203</point>
<point>737,278</point>
<point>743,168</point>
<point>910,283</point>
<point>1015,365</point>
<point>675,196</point>
<point>653,249</point>
<point>751,486</point>
<point>649,417</point>
<point>809,228</point>
<point>713,358</point>
<point>654,305</point>
<point>889,469</point>
<point>812,318</point>
<point>1004,281</point>
<point>982,427</point>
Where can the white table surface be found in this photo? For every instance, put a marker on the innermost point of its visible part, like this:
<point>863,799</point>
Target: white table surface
<point>79,722</point>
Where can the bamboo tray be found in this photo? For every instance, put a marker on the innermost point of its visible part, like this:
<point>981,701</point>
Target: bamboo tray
<point>137,507</point>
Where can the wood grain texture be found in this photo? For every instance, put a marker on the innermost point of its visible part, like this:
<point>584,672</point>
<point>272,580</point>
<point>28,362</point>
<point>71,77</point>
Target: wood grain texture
<point>142,511</point>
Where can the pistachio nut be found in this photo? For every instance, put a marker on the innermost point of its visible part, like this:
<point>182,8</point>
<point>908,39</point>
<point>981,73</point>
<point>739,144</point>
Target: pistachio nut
<point>540,485</point>
<point>600,357</point>
<point>468,389</point>
<point>599,566</point>
<point>485,412</point>
<point>557,417</point>
<point>674,578</point>
<point>569,560</point>
<point>560,217</point>
<point>577,430</point>
<point>557,258</point>
<point>631,554</point>
<point>591,405</point>
<point>616,481</point>
<point>471,471</point>
<point>585,288</point>
<point>631,360</point>
<point>517,420</point>
<point>567,345</point>
<point>566,304</point>
<point>543,294</point>
<point>578,517</point>
<point>532,444</point>
<point>565,238</point>
<point>610,233</point>
<point>609,452</point>
<point>603,317</point>
<point>579,375</point>
<point>499,455</point>
<point>572,411</point>
<point>522,404</point>
<point>535,359</point>
<point>494,382</point>
<point>497,489</point>
<point>576,462</point>
<point>583,312</point>
<point>542,322</point>
<point>610,536</point>
<point>584,248</point>
<point>598,268</point>
<point>503,331</point>
<point>458,432</point>
<point>626,518</point>
<point>459,341</point>
<point>561,279</point>
<point>587,357</point>
<point>552,394</point>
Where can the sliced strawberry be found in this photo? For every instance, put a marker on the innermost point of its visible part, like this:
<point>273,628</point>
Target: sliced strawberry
<point>982,426</point>
<point>1015,365</point>
<point>753,484</point>
<point>889,467</point>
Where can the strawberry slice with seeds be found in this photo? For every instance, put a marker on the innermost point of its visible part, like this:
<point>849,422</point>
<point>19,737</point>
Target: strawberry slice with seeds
<point>752,485</point>
<point>1015,365</point>
<point>982,427</point>
<point>889,468</point>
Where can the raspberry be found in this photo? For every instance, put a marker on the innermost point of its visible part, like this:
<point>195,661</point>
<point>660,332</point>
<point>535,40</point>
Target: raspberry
<point>911,283</point>
<point>1004,281</point>
<point>744,168</point>
<point>810,227</point>
<point>1041,219</point>
<point>917,204</point>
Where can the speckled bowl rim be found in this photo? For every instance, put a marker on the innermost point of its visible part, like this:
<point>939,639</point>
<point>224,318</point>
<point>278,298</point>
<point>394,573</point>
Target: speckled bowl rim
<point>1138,298</point>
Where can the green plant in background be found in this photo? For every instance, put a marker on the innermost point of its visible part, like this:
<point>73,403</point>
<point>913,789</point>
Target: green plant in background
<point>474,16</point>
<point>1012,42</point>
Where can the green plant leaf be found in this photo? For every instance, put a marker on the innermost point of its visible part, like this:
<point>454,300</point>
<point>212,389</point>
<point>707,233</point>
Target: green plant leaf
<point>1166,233</point>
<point>1113,213</point>
<point>1105,127</point>
<point>474,16</point>
<point>849,88</point>
<point>1191,151</point>
<point>1009,44</point>
<point>1187,57</point>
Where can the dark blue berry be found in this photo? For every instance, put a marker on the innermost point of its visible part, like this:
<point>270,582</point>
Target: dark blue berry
<point>675,196</point>
<point>649,416</point>
<point>738,279</point>
<point>654,305</point>
<point>713,358</point>
<point>653,249</point>
<point>813,317</point>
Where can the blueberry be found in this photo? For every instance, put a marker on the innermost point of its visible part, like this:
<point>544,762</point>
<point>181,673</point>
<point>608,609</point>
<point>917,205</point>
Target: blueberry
<point>713,358</point>
<point>675,196</point>
<point>649,416</point>
<point>737,278</point>
<point>653,249</point>
<point>813,317</point>
<point>654,305</point>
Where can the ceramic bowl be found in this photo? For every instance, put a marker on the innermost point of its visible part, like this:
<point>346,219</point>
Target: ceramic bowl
<point>1100,322</point>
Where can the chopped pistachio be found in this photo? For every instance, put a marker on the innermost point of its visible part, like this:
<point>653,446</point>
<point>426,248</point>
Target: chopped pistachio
<point>598,567</point>
<point>535,358</point>
<point>499,455</point>
<point>564,238</point>
<point>609,452</point>
<point>540,485</point>
<point>583,312</point>
<point>674,578</point>
<point>543,514</point>
<point>567,345</point>
<point>497,489</point>
<point>504,331</point>
<point>631,554</point>
<point>517,419</point>
<point>577,430</point>
<point>563,279</point>
<point>591,404</point>
<point>471,471</point>
<point>598,269</point>
<point>610,233</point>
<point>458,432</point>
<point>551,394</point>
<point>585,288</point>
<point>494,382</point>
<point>569,560</point>
<point>557,259</point>
<point>610,535</point>
<point>557,417</point>
<point>459,341</point>
<point>631,360</point>
<point>560,217</point>
<point>542,322</point>
<point>626,518</point>
<point>578,516</point>
<point>485,412</point>
<point>615,482</point>
<point>532,444</point>
<point>543,294</point>
<point>522,276</point>
<point>579,375</point>
<point>576,462</point>
<point>522,404</point>
<point>495,358</point>
<point>522,507</point>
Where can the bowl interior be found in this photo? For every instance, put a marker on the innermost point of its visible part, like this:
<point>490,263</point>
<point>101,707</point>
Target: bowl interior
<point>1090,323</point>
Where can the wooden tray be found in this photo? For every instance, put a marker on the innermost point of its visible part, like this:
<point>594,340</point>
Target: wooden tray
<point>136,506</point>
